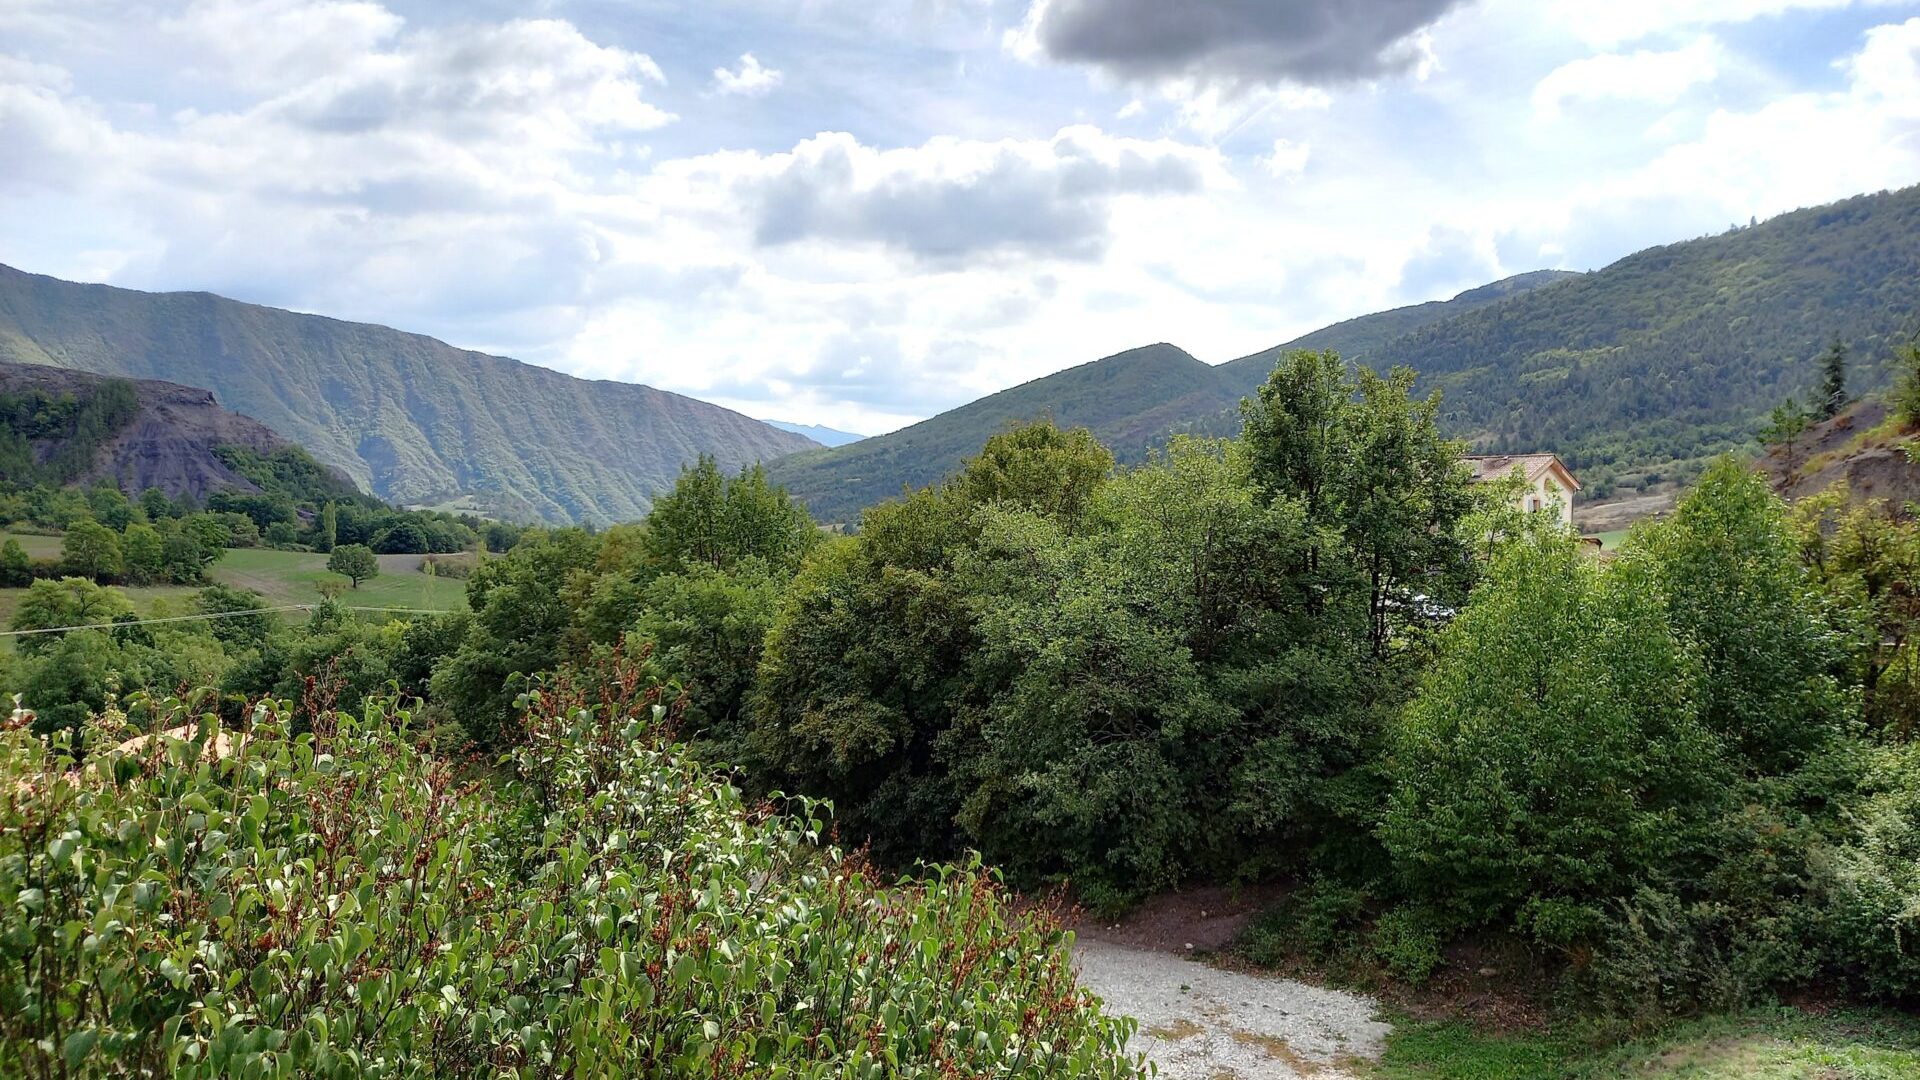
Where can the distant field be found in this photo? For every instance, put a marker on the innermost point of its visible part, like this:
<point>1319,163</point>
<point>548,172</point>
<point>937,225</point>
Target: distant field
<point>36,547</point>
<point>293,577</point>
<point>1611,541</point>
<point>283,577</point>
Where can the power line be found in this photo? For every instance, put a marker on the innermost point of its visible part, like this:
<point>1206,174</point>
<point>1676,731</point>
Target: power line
<point>213,615</point>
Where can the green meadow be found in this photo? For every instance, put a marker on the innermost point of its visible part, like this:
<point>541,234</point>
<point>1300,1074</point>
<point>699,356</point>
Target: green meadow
<point>282,577</point>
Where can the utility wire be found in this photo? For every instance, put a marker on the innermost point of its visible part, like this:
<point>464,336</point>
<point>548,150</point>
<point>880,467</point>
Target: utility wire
<point>209,615</point>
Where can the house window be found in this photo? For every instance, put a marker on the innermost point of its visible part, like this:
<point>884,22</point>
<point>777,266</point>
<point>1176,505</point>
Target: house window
<point>1533,503</point>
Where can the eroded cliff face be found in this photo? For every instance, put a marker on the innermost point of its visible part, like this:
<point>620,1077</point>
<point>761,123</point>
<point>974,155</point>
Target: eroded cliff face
<point>172,442</point>
<point>1855,448</point>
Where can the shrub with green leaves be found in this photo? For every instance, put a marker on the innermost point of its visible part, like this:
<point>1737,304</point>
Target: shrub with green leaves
<point>342,903</point>
<point>1555,756</point>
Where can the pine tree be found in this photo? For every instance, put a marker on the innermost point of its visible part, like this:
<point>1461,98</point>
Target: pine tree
<point>329,527</point>
<point>1833,380</point>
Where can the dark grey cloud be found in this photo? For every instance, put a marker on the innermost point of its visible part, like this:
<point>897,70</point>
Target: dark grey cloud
<point>948,204</point>
<point>1236,42</point>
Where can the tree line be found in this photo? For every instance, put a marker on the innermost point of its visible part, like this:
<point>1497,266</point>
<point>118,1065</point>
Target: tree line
<point>1684,776</point>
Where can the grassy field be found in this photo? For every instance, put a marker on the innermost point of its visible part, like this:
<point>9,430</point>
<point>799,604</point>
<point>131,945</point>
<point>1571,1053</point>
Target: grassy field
<point>1771,1044</point>
<point>292,577</point>
<point>283,577</point>
<point>1611,541</point>
<point>36,546</point>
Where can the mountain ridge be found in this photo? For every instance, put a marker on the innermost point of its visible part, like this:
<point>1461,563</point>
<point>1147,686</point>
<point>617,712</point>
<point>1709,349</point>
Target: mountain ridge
<point>820,433</point>
<point>1162,390</point>
<point>1636,374</point>
<point>408,417</point>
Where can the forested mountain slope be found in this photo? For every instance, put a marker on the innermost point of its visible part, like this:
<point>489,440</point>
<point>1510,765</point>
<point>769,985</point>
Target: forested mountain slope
<point>1129,400</point>
<point>72,427</point>
<point>1132,401</point>
<point>1358,339</point>
<point>409,418</point>
<point>1675,354</point>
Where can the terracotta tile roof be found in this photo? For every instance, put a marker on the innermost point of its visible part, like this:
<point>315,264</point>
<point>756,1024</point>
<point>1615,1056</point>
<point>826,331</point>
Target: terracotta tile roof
<point>1494,466</point>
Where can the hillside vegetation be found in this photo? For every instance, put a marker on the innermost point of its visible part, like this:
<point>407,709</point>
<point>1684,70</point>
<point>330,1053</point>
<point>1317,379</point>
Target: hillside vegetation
<point>1636,374</point>
<point>1129,401</point>
<point>408,418</point>
<point>1668,357</point>
<point>1132,402</point>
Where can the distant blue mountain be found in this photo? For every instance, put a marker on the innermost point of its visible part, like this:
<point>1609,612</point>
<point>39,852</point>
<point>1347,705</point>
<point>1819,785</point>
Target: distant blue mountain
<point>825,436</point>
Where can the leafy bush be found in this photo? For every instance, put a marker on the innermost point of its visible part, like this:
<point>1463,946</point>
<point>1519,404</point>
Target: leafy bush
<point>1406,941</point>
<point>1323,920</point>
<point>1871,905</point>
<point>341,903</point>
<point>1555,756</point>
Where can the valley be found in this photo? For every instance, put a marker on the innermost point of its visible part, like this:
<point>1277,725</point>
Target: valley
<point>1009,539</point>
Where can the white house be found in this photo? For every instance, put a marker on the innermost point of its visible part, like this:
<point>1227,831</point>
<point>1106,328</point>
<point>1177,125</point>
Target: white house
<point>1550,484</point>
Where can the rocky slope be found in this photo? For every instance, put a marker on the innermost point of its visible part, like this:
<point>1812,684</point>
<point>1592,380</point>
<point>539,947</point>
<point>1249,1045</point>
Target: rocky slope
<point>170,443</point>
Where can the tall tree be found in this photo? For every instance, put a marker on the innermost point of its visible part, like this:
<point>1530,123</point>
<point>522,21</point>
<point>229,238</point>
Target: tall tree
<point>1556,747</point>
<point>16,569</point>
<point>1731,570</point>
<point>1904,398</point>
<point>713,520</point>
<point>66,603</point>
<point>143,554</point>
<point>1833,380</point>
<point>329,528</point>
<point>1368,463</point>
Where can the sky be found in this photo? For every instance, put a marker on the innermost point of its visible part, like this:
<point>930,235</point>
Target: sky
<point>862,212</point>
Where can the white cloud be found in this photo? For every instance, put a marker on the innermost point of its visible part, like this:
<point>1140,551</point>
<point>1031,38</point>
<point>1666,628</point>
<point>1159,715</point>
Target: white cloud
<point>749,80</point>
<point>278,43</point>
<point>1645,76</point>
<point>1780,156</point>
<point>1287,160</point>
<point>1620,21</point>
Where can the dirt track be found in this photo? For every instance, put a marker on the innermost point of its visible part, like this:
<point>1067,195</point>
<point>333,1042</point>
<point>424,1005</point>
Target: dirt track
<point>1203,1023</point>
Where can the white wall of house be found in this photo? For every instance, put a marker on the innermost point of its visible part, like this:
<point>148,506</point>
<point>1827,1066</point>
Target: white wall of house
<point>1546,495</point>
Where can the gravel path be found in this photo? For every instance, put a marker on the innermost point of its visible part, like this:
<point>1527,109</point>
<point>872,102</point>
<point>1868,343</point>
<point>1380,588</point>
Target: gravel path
<point>1206,1024</point>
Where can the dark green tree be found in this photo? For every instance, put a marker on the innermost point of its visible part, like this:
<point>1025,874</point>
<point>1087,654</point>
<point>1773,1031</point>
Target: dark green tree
<point>157,506</point>
<point>16,569</point>
<point>1904,398</point>
<point>523,620</point>
<point>143,554</point>
<point>1729,565</point>
<point>1833,380</point>
<point>404,537</point>
<point>1556,752</point>
<point>66,602</point>
<point>245,621</point>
